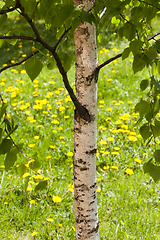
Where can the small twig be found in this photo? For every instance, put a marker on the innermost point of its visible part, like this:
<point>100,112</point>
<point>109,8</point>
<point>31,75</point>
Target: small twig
<point>9,10</point>
<point>152,5</point>
<point>108,61</point>
<point>62,36</point>
<point>19,63</point>
<point>18,148</point>
<point>19,37</point>
<point>152,37</point>
<point>102,14</point>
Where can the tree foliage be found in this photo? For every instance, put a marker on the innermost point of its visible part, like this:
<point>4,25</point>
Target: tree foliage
<point>128,19</point>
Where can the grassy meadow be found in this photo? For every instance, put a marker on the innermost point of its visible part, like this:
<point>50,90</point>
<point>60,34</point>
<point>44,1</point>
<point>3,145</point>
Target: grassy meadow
<point>128,200</point>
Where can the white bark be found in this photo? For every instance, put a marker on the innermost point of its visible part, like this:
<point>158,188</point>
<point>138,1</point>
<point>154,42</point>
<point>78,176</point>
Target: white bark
<point>86,215</point>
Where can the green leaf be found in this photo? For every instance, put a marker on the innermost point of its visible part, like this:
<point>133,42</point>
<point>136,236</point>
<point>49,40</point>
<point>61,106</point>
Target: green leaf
<point>3,19</point>
<point>129,31</point>
<point>86,16</point>
<point>16,149</point>
<point>40,48</point>
<point>10,160</point>
<point>126,53</point>
<point>155,82</point>
<point>154,171</point>
<point>138,63</point>
<point>67,59</point>
<point>151,53</point>
<point>5,146</point>
<point>21,169</point>
<point>148,166</point>
<point>144,84</point>
<point>157,155</point>
<point>135,45</point>
<point>3,109</point>
<point>51,64</point>
<point>145,131</point>
<point>142,107</point>
<point>41,186</point>
<point>33,67</point>
<point>1,133</point>
<point>35,165</point>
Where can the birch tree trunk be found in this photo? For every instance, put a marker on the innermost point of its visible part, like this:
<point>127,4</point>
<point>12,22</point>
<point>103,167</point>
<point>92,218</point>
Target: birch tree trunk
<point>86,215</point>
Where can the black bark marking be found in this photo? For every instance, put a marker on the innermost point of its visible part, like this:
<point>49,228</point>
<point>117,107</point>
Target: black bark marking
<point>94,229</point>
<point>84,169</point>
<point>93,186</point>
<point>89,79</point>
<point>81,161</point>
<point>93,151</point>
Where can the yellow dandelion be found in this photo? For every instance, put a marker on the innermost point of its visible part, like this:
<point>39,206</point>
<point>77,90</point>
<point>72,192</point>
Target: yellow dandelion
<point>103,142</point>
<point>137,160</point>
<point>32,201</point>
<point>114,153</point>
<point>31,145</point>
<point>59,225</point>
<point>69,154</point>
<point>52,147</point>
<point>129,171</point>
<point>109,109</point>
<point>109,79</point>
<point>36,137</point>
<point>57,199</point>
<point>99,179</point>
<point>26,174</point>
<point>132,138</point>
<point>98,190</point>
<point>34,234</point>
<point>106,167</point>
<point>50,219</point>
<point>29,189</point>
<point>114,167</point>
<point>110,139</point>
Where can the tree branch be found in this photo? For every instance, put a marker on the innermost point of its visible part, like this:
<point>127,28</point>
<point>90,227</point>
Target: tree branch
<point>9,9</point>
<point>152,5</point>
<point>82,111</point>
<point>19,63</point>
<point>62,36</point>
<point>152,37</point>
<point>108,61</point>
<point>19,37</point>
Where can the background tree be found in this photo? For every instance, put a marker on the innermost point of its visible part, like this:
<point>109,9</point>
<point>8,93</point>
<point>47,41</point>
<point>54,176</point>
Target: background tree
<point>129,19</point>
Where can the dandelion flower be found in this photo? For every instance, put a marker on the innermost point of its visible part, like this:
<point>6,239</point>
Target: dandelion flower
<point>103,142</point>
<point>32,201</point>
<point>50,219</point>
<point>69,154</point>
<point>110,139</point>
<point>57,199</point>
<point>99,179</point>
<point>137,160</point>
<point>132,138</point>
<point>106,167</point>
<point>26,174</point>
<point>34,234</point>
<point>98,190</point>
<point>129,171</point>
<point>114,167</point>
<point>31,145</point>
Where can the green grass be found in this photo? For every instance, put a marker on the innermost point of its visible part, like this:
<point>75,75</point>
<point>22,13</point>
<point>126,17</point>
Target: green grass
<point>128,205</point>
